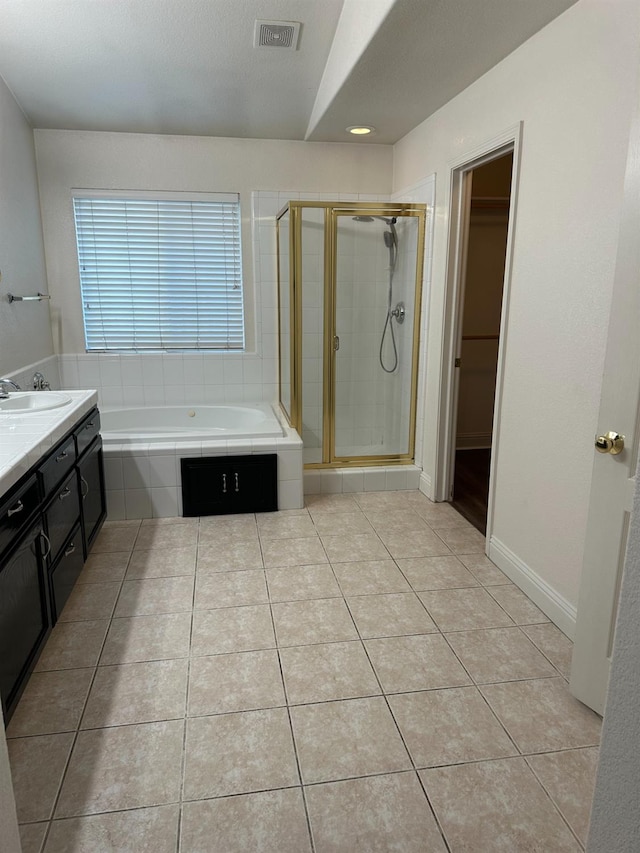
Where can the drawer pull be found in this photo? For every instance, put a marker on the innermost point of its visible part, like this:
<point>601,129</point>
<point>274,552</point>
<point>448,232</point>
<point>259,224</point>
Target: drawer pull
<point>71,547</point>
<point>62,456</point>
<point>64,494</point>
<point>224,484</point>
<point>90,425</point>
<point>237,483</point>
<point>14,509</point>
<point>84,483</point>
<point>44,536</point>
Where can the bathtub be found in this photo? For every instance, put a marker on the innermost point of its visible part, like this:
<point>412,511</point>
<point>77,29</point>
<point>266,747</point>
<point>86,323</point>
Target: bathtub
<point>188,423</point>
<point>143,448</point>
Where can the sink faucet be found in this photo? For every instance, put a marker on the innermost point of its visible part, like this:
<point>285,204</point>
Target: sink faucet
<point>7,382</point>
<point>40,383</point>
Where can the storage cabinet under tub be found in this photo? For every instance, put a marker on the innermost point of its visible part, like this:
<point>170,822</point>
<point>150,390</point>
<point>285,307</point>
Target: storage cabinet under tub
<point>48,522</point>
<point>219,485</point>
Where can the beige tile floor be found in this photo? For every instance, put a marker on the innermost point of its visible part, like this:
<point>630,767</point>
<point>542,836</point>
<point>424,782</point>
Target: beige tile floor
<point>355,676</point>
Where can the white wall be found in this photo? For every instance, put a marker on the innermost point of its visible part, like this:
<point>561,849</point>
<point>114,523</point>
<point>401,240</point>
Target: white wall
<point>571,86</point>
<point>25,334</point>
<point>72,159</point>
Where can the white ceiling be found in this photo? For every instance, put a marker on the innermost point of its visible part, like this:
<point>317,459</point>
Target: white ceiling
<point>189,66</point>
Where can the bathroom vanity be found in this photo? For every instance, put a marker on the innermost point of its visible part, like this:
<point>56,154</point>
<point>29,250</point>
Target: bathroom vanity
<point>52,506</point>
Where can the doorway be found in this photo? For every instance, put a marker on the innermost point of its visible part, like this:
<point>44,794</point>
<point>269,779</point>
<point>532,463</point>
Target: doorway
<point>484,231</point>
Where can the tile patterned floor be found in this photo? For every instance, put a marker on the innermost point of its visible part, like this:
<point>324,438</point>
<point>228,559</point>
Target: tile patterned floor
<point>355,676</point>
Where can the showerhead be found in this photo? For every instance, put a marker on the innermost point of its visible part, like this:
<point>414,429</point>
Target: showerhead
<point>391,221</point>
<point>389,239</point>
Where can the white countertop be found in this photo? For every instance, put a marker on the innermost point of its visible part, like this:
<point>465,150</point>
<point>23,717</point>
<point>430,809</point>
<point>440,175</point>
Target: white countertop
<point>25,438</point>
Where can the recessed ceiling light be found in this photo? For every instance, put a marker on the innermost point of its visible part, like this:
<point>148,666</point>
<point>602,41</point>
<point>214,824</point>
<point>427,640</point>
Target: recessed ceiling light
<point>361,129</point>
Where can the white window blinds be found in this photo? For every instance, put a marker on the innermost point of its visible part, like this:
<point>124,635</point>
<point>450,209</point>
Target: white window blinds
<point>160,273</point>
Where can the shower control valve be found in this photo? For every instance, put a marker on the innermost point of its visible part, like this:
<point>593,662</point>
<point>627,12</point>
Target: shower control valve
<point>398,312</point>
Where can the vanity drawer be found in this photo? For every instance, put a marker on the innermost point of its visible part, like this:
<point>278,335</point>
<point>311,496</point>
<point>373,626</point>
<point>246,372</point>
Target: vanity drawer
<point>87,431</point>
<point>16,509</point>
<point>58,465</point>
<point>62,514</point>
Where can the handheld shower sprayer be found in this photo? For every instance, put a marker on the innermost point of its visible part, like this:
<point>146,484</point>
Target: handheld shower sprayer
<point>390,238</point>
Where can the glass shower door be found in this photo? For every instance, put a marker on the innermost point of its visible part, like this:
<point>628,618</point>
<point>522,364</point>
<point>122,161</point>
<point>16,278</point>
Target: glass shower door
<point>285,316</point>
<point>375,334</point>
<point>312,295</point>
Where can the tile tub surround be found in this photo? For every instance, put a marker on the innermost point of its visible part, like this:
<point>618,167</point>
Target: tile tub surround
<point>319,706</point>
<point>24,439</point>
<point>143,480</point>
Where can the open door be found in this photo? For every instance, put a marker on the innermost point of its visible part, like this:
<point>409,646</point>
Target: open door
<point>487,196</point>
<point>613,472</point>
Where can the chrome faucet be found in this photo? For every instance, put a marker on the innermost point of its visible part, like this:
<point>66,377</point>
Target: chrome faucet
<point>4,394</point>
<point>40,383</point>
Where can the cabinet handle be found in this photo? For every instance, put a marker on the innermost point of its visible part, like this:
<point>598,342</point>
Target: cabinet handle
<point>44,536</point>
<point>64,494</point>
<point>14,509</point>
<point>224,484</point>
<point>83,482</point>
<point>237,484</point>
<point>89,425</point>
<point>71,547</point>
<point>62,456</point>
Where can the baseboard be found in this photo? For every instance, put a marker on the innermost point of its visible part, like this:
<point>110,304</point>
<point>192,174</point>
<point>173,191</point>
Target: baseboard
<point>473,441</point>
<point>552,604</point>
<point>426,486</point>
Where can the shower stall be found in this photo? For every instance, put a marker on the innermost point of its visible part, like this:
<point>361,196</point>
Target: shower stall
<point>349,288</point>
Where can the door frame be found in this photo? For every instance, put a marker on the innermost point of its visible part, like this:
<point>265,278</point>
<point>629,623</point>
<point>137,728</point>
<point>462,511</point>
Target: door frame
<point>510,140</point>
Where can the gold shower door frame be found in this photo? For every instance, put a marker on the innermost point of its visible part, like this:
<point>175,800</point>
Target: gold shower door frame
<point>332,212</point>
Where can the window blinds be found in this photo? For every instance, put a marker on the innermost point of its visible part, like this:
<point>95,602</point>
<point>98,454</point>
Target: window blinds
<point>160,274</point>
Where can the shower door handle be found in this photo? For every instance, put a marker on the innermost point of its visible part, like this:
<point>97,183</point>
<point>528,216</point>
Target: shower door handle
<point>336,343</point>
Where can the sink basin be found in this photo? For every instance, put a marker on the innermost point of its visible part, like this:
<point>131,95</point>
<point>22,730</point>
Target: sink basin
<point>32,402</point>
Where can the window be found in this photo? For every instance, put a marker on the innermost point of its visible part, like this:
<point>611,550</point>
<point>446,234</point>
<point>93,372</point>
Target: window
<point>160,273</point>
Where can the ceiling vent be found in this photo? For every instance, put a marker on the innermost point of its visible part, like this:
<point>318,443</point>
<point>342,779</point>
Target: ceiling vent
<point>276,34</point>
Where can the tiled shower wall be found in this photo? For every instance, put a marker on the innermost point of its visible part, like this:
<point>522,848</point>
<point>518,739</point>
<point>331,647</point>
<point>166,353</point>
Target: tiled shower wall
<point>397,387</point>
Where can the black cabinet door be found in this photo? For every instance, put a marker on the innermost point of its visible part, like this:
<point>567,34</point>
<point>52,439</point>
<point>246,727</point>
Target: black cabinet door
<point>94,508</point>
<point>65,573</point>
<point>24,620</point>
<point>253,483</point>
<point>229,484</point>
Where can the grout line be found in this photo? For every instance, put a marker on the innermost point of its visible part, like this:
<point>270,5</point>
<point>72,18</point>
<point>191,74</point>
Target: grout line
<point>65,771</point>
<point>183,762</point>
<point>555,805</point>
<point>293,737</point>
<point>434,813</point>
<point>389,709</point>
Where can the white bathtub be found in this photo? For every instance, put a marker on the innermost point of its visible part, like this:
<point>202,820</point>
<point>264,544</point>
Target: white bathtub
<point>188,423</point>
<point>143,448</point>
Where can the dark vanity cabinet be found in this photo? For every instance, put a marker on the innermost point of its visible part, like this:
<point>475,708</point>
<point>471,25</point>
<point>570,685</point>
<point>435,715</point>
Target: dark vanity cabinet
<point>91,475</point>
<point>24,609</point>
<point>48,522</point>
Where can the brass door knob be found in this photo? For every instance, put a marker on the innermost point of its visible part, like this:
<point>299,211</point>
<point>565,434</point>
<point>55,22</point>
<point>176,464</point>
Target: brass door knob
<point>612,443</point>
